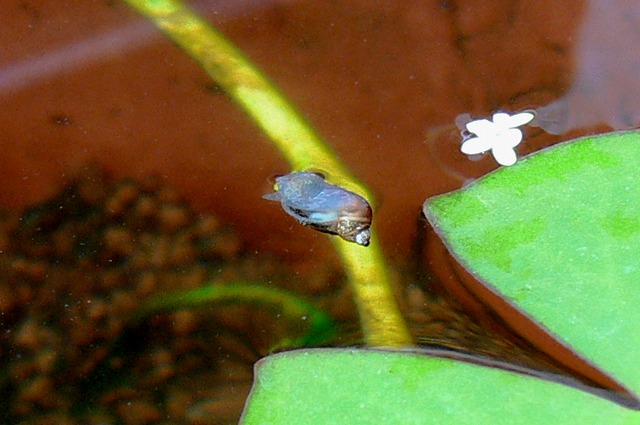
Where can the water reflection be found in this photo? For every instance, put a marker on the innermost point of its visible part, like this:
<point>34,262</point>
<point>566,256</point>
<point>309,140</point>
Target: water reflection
<point>605,89</point>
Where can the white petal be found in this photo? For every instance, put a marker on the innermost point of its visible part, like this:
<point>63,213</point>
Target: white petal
<point>509,138</point>
<point>504,156</point>
<point>480,127</point>
<point>513,121</point>
<point>476,145</point>
<point>501,119</point>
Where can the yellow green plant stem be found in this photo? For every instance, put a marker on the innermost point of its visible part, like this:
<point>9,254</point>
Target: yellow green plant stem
<point>320,327</point>
<point>381,320</point>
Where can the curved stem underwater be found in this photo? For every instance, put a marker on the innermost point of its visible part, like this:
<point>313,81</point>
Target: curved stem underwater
<point>320,327</point>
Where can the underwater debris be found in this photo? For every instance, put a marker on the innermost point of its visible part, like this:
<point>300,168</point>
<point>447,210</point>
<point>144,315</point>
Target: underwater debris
<point>308,198</point>
<point>78,273</point>
<point>73,273</point>
<point>500,136</point>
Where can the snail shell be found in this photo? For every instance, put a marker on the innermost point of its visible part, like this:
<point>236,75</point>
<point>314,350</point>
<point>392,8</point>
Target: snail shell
<point>312,201</point>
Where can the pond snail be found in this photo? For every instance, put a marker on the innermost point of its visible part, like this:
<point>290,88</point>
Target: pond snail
<point>308,198</point>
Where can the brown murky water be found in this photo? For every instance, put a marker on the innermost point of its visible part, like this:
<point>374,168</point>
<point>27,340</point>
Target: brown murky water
<point>382,81</point>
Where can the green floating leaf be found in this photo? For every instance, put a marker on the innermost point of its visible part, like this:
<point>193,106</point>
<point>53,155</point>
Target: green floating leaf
<point>558,235</point>
<point>376,387</point>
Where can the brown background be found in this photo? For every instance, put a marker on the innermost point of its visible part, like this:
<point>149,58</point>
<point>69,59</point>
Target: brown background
<point>85,82</point>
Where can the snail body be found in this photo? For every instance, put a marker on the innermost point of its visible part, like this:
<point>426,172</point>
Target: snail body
<point>325,207</point>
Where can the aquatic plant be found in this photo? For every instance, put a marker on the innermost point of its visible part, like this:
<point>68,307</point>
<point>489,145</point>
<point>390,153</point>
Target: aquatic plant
<point>303,148</point>
<point>321,328</point>
<point>527,231</point>
<point>553,239</point>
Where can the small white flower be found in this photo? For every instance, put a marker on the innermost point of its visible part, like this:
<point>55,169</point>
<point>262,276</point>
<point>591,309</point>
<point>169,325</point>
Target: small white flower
<point>500,136</point>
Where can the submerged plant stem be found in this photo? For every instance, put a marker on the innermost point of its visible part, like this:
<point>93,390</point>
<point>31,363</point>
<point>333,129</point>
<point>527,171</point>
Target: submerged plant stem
<point>321,327</point>
<point>299,144</point>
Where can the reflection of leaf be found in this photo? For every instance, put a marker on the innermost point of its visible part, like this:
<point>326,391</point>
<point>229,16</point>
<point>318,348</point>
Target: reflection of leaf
<point>375,387</point>
<point>558,234</point>
<point>606,67</point>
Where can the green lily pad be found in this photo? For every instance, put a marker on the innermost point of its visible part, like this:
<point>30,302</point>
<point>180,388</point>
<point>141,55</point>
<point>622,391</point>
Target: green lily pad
<point>558,236</point>
<point>332,386</point>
